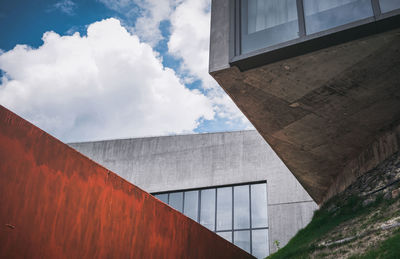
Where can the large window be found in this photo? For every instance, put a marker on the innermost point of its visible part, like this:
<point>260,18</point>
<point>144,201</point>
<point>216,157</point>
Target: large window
<point>322,15</point>
<point>237,213</point>
<point>389,5</point>
<point>266,23</point>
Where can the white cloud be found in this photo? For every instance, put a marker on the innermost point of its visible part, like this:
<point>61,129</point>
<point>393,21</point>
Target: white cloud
<point>65,6</point>
<point>105,85</point>
<point>117,5</point>
<point>189,41</point>
<point>190,30</point>
<point>150,15</point>
<point>148,25</point>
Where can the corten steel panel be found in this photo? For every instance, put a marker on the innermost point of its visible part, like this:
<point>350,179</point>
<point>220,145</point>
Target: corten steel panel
<point>56,203</point>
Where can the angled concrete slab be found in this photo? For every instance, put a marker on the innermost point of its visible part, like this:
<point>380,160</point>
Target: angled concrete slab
<point>325,111</point>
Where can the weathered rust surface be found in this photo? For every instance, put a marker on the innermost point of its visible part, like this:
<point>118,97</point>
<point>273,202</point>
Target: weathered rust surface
<point>323,110</point>
<point>56,203</point>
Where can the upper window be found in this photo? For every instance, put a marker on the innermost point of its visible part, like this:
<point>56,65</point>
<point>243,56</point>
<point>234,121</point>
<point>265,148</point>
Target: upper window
<point>321,15</point>
<point>267,22</point>
<point>389,5</point>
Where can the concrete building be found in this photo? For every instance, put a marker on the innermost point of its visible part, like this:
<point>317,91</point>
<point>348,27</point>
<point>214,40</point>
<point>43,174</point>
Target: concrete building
<point>318,79</point>
<point>233,183</point>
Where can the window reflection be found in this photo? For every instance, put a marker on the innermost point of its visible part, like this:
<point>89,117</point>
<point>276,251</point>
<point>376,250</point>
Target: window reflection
<point>241,207</point>
<point>176,200</point>
<point>224,208</point>
<point>242,239</point>
<point>389,5</point>
<point>260,245</point>
<point>264,14</point>
<point>226,235</point>
<point>162,197</point>
<point>321,15</point>
<point>259,206</point>
<point>207,209</point>
<point>268,22</point>
<point>190,207</point>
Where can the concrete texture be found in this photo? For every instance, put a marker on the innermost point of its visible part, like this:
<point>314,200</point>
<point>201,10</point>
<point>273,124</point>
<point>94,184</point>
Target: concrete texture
<point>321,111</point>
<point>56,203</point>
<point>280,214</point>
<point>220,30</point>
<point>170,163</point>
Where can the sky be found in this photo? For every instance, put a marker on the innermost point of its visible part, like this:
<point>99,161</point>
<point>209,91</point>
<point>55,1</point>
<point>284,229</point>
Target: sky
<point>106,69</point>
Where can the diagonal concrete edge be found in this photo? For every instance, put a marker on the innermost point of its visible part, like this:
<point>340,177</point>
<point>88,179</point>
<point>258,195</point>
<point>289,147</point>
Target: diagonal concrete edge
<point>321,112</point>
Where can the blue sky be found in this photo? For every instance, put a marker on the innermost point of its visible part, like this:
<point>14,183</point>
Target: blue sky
<point>24,22</point>
<point>101,69</point>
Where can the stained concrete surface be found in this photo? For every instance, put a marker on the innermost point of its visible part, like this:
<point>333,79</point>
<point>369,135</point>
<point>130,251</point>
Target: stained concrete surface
<point>171,163</point>
<point>322,110</point>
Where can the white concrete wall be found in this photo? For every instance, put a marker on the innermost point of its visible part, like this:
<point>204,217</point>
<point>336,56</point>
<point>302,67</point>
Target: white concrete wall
<point>169,163</point>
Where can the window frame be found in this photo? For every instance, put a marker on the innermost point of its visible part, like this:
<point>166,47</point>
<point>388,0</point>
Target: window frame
<point>305,43</point>
<point>233,229</point>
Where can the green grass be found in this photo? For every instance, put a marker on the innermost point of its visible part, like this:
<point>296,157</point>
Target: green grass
<point>304,242</point>
<point>388,249</point>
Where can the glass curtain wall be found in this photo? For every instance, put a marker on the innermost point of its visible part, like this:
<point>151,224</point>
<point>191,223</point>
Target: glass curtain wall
<point>237,213</point>
<point>265,23</point>
<point>389,5</point>
<point>322,15</point>
<point>268,22</point>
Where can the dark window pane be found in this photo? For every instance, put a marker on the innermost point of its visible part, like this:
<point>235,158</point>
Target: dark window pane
<point>322,15</point>
<point>190,207</point>
<point>389,5</point>
<point>226,235</point>
<point>162,197</point>
<point>242,239</point>
<point>260,244</point>
<point>259,216</point>
<point>176,200</point>
<point>224,208</point>
<point>207,209</point>
<point>241,207</point>
<point>268,22</point>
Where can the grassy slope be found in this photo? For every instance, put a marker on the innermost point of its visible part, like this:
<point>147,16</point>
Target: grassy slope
<point>305,241</point>
<point>389,249</point>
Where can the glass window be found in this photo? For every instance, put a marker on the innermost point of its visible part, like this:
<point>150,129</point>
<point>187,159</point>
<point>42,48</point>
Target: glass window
<point>268,22</point>
<point>191,204</point>
<point>242,239</point>
<point>389,5</point>
<point>260,245</point>
<point>241,208</point>
<point>224,208</point>
<point>322,15</point>
<point>226,235</point>
<point>207,209</point>
<point>176,200</point>
<point>259,216</point>
<point>162,197</point>
<point>217,204</point>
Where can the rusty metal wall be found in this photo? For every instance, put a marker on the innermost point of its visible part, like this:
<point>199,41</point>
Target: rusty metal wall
<point>56,203</point>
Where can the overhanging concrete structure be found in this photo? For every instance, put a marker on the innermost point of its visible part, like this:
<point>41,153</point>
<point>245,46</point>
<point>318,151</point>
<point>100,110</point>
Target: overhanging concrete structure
<point>330,114</point>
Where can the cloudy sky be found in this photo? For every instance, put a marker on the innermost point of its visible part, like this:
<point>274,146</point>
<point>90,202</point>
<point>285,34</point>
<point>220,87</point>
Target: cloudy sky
<point>104,69</point>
